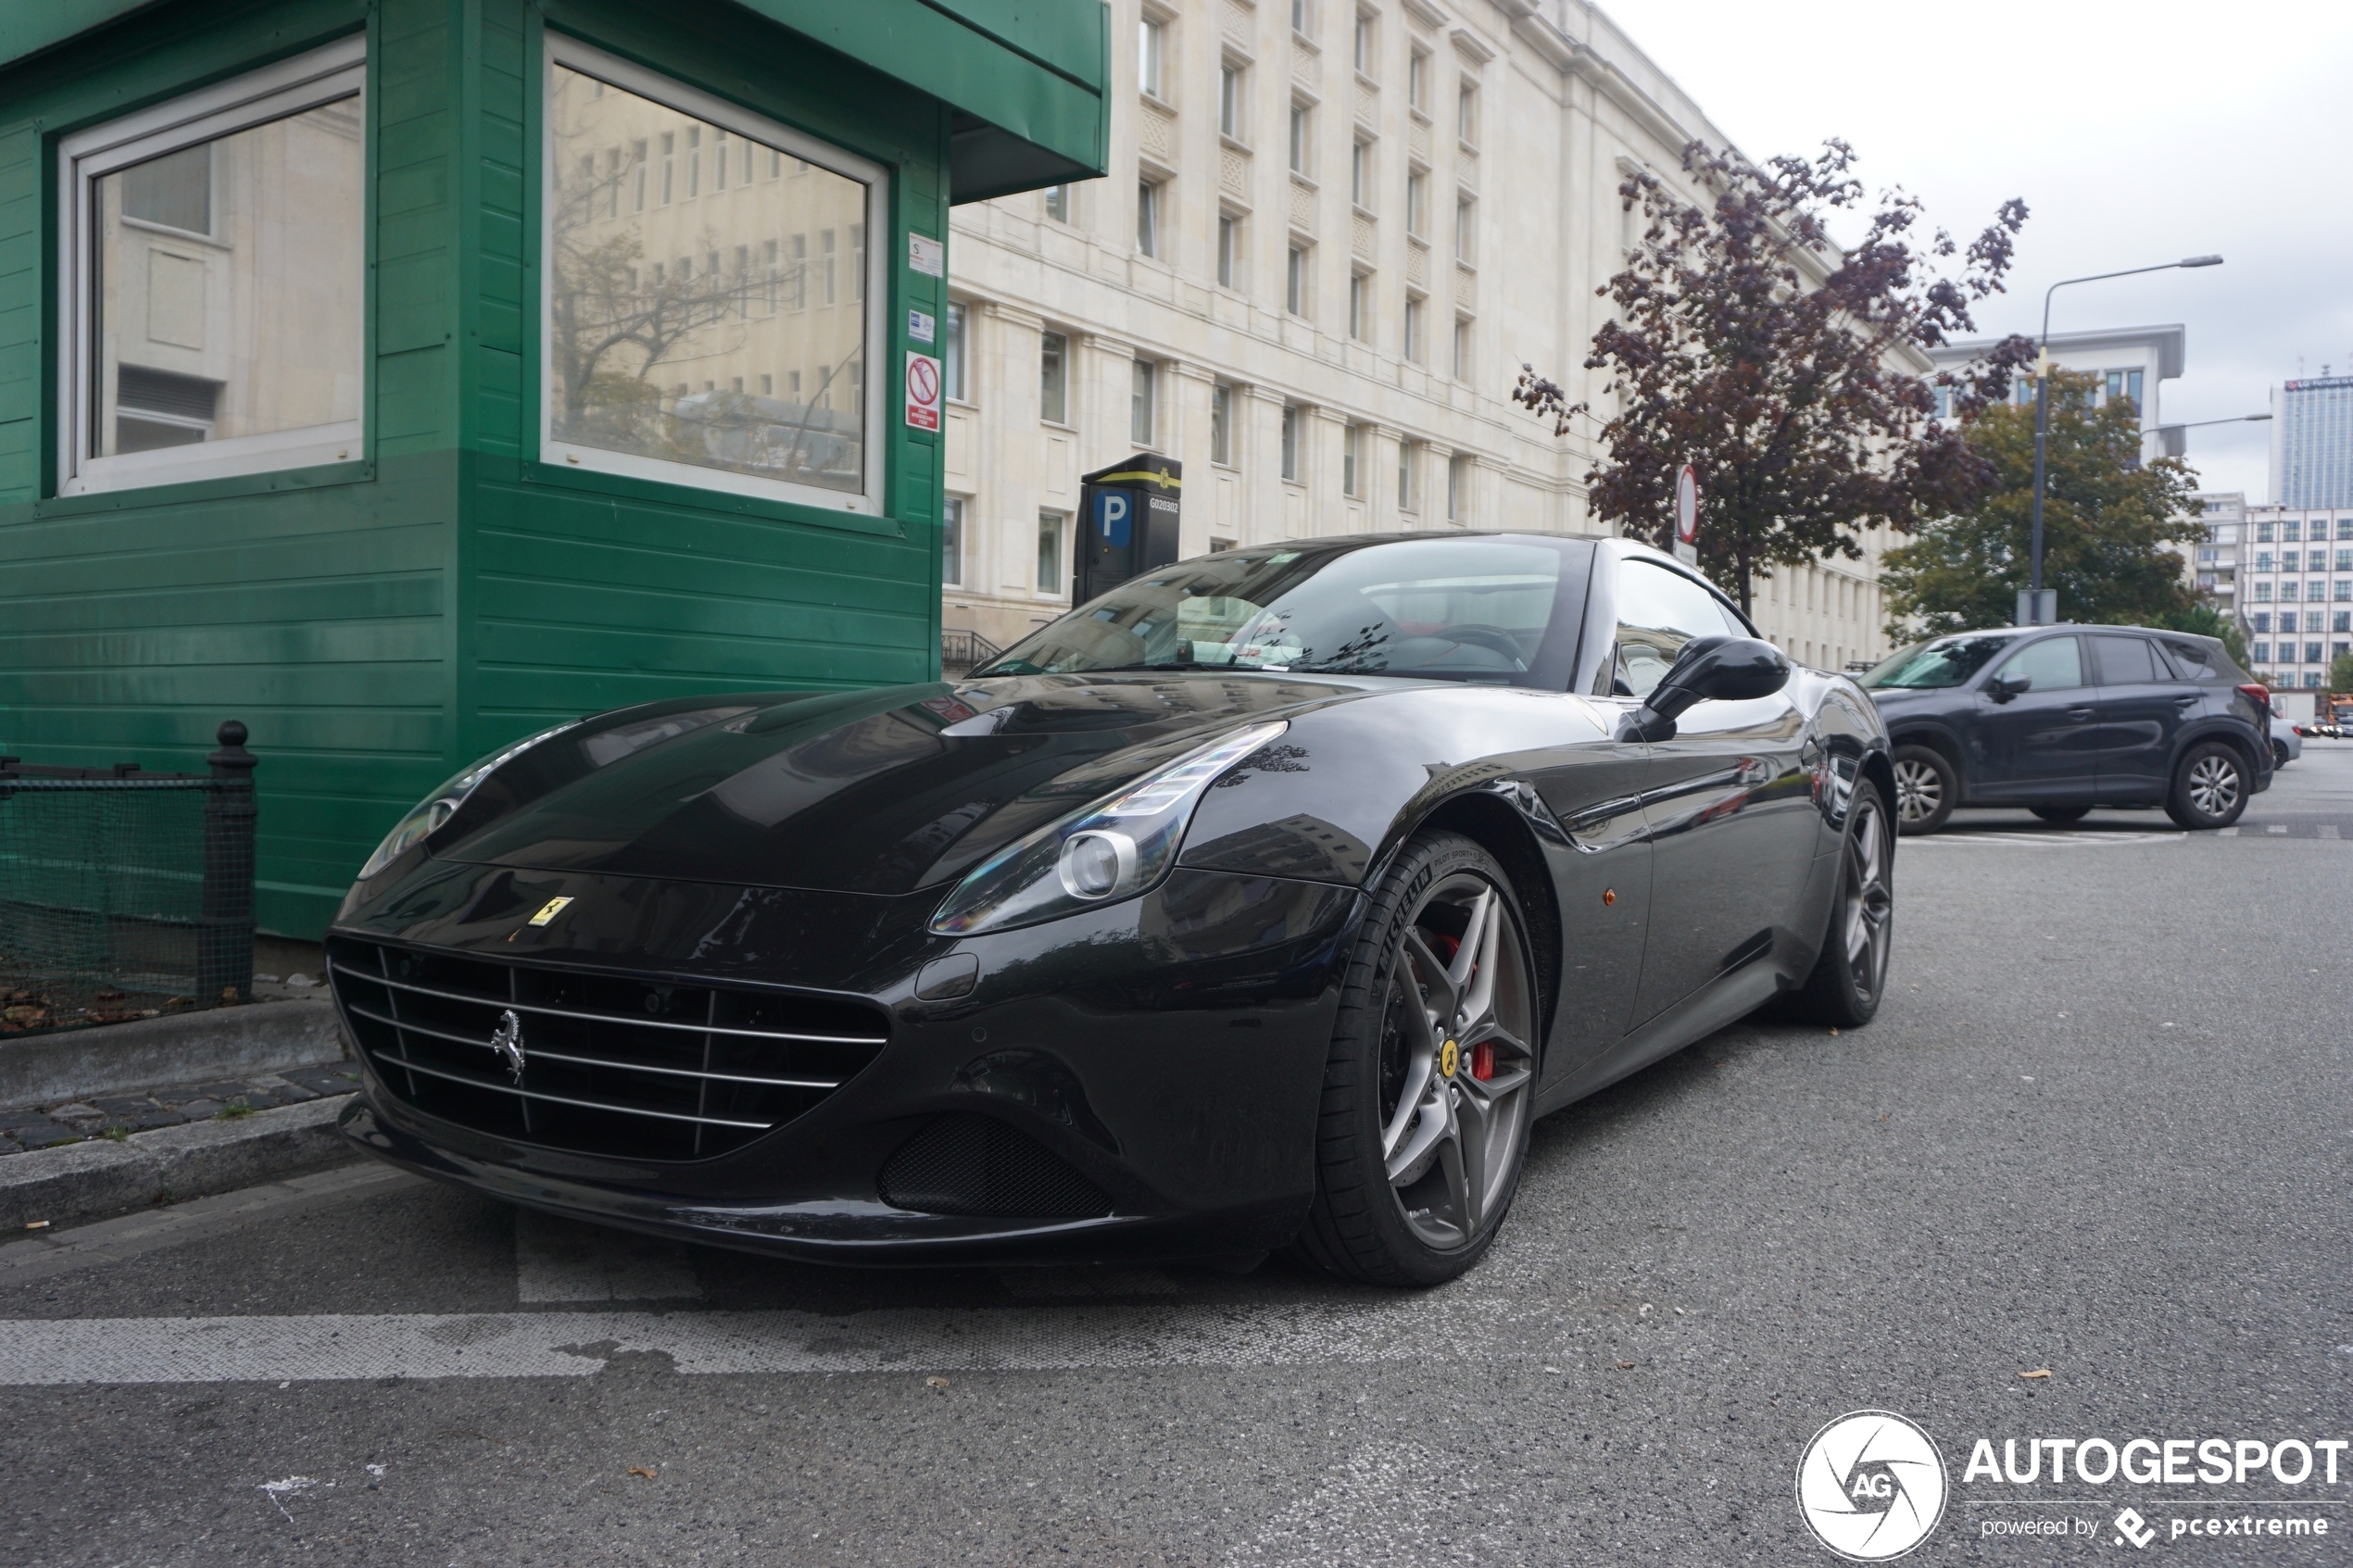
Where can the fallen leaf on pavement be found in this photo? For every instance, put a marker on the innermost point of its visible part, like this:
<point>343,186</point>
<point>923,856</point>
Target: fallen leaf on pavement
<point>1625,1366</point>
<point>934,1382</point>
<point>641,1470</point>
<point>2043,1371</point>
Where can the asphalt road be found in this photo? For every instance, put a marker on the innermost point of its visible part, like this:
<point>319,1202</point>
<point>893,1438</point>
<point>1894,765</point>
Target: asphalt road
<point>2101,1130</point>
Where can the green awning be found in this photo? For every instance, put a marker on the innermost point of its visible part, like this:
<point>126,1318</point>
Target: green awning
<point>1026,78</point>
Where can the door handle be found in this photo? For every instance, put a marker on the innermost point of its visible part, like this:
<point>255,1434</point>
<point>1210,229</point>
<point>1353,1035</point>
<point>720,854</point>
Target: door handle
<point>2078,713</point>
<point>2188,699</point>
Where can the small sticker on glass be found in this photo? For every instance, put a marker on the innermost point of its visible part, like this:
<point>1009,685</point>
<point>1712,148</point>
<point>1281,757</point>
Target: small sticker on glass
<point>927,255</point>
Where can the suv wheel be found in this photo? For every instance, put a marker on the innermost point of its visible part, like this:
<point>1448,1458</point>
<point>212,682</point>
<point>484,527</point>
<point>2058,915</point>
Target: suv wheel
<point>2209,787</point>
<point>1926,789</point>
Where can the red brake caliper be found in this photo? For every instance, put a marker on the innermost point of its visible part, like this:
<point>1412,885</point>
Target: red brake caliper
<point>1483,1060</point>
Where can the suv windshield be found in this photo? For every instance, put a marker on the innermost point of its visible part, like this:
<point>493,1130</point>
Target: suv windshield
<point>1945,661</point>
<point>1483,609</point>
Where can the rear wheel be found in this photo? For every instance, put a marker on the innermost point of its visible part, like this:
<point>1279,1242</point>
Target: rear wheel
<point>2059,813</point>
<point>2209,787</point>
<point>2279,754</point>
<point>1431,1086</point>
<point>1844,989</point>
<point>1926,789</point>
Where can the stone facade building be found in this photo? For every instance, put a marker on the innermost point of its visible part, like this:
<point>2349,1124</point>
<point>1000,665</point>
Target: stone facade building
<point>1331,233</point>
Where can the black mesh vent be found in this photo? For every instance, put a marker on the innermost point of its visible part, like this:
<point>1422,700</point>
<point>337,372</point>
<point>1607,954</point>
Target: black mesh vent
<point>967,1164</point>
<point>604,1064</point>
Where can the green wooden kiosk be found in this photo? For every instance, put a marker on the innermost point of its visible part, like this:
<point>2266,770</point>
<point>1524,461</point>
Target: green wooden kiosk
<point>402,377</point>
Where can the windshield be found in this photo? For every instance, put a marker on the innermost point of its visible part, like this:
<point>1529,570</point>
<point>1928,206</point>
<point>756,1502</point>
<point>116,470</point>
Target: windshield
<point>1461,609</point>
<point>1945,661</point>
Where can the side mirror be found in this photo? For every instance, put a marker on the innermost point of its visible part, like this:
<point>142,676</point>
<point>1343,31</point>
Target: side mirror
<point>2001,688</point>
<point>1709,669</point>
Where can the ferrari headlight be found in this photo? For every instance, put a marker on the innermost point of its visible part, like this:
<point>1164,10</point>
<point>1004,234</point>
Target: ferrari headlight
<point>443,803</point>
<point>1112,848</point>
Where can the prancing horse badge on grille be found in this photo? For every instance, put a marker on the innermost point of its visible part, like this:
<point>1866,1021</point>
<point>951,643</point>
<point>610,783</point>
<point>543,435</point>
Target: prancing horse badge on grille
<point>507,1040</point>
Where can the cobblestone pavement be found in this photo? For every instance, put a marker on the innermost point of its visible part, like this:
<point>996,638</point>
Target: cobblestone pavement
<point>47,1126</point>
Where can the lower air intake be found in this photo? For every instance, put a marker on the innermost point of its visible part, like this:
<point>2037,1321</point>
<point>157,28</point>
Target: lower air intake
<point>977,1165</point>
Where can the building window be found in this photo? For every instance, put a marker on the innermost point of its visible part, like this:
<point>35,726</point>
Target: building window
<point>1351,441</point>
<point>214,277</point>
<point>1418,204</point>
<point>1303,17</point>
<point>1458,471</point>
<point>1058,202</point>
<point>2263,622</point>
<point>951,542</point>
<point>1465,230</point>
<point>1360,307</point>
<point>1302,137</point>
<point>951,354</point>
<point>1466,115</point>
<point>1291,442</point>
<point>2262,653</point>
<point>1221,424</point>
<point>1295,290</point>
<point>1151,36</point>
<point>1462,364</point>
<point>1218,545</point>
<point>2263,533</point>
<point>1407,463</point>
<point>1147,217</point>
<point>1050,552</point>
<point>1362,45</point>
<point>1229,100</point>
<point>1141,423</point>
<point>1418,80</point>
<point>605,348</point>
<point>1053,378</point>
<point>2292,529</point>
<point>1416,348</point>
<point>1360,174</point>
<point>2125,384</point>
<point>1229,244</point>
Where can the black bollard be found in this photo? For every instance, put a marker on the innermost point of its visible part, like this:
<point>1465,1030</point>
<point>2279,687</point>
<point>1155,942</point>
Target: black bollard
<point>224,935</point>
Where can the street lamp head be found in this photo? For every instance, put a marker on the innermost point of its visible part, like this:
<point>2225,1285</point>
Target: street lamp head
<point>2252,418</point>
<point>2200,261</point>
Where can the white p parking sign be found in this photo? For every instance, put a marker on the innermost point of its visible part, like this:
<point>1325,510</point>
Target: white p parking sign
<point>922,392</point>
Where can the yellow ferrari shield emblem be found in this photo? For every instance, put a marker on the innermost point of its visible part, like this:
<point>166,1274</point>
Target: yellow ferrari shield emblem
<point>549,910</point>
<point>1450,1056</point>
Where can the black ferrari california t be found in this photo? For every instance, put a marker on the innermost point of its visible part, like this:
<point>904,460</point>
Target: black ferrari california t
<point>1263,902</point>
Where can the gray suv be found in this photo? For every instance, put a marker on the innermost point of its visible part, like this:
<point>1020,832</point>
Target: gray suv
<point>2061,718</point>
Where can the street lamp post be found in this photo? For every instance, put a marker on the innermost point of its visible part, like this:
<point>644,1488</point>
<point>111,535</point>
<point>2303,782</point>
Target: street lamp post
<point>2034,609</point>
<point>2167,434</point>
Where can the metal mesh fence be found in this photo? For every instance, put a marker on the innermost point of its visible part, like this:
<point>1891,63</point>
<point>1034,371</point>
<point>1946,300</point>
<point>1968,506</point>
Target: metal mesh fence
<point>124,897</point>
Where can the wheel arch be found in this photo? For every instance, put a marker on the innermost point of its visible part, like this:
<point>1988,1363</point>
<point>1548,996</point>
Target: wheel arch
<point>1939,740</point>
<point>1493,823</point>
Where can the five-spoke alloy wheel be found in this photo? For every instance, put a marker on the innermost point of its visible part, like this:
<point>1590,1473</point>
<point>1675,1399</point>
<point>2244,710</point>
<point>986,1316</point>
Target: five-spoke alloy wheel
<point>1851,975</point>
<point>1926,789</point>
<point>1431,1086</point>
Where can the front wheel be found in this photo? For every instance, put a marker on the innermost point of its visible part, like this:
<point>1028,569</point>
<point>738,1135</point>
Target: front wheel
<point>1431,1086</point>
<point>1848,979</point>
<point>2209,787</point>
<point>1927,788</point>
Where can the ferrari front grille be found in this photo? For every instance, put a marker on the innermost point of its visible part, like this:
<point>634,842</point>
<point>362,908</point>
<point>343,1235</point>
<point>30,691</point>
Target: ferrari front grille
<point>603,1065</point>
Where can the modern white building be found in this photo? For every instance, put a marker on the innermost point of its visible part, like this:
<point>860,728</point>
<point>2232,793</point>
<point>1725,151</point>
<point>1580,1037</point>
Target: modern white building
<point>2130,363</point>
<point>2296,577</point>
<point>1334,231</point>
<point>2213,565</point>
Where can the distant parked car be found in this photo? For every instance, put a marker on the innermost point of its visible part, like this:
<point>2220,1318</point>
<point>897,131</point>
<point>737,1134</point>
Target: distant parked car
<point>2061,718</point>
<point>2287,740</point>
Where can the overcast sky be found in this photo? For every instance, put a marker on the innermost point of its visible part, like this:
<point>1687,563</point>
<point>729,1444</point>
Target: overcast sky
<point>2137,133</point>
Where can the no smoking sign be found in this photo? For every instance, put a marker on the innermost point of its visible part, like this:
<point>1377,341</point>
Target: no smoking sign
<point>922,392</point>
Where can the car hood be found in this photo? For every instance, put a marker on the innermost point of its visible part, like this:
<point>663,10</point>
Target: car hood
<point>880,792</point>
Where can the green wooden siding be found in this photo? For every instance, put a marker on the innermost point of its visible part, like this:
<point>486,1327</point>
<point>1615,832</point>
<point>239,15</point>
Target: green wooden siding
<point>379,623</point>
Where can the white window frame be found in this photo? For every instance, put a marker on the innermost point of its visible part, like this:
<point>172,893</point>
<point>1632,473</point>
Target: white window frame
<point>325,75</point>
<point>562,456</point>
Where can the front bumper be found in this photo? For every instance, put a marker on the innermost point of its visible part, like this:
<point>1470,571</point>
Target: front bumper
<point>1170,1050</point>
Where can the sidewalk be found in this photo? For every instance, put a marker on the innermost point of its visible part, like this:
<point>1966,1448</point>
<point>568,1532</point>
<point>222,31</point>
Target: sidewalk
<point>57,1123</point>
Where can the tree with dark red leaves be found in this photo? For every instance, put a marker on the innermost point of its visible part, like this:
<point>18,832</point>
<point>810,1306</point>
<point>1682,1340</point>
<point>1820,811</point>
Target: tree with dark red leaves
<point>1750,345</point>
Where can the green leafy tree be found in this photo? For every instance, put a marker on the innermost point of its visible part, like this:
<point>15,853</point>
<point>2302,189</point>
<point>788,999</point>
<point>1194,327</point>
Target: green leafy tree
<point>2108,521</point>
<point>2340,674</point>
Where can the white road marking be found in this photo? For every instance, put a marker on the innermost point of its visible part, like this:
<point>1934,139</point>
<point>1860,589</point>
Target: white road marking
<point>2030,839</point>
<point>2275,827</point>
<point>1440,1326</point>
<point>560,1260</point>
<point>2226,832</point>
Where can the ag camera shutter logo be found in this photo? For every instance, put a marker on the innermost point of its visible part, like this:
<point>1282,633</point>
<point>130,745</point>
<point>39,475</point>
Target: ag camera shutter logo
<point>1871,1486</point>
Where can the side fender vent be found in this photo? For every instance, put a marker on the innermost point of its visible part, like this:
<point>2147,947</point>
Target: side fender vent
<point>977,1165</point>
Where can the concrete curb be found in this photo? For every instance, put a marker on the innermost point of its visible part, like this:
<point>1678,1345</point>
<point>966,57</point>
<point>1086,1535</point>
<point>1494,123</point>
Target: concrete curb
<point>189,1048</point>
<point>100,1178</point>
